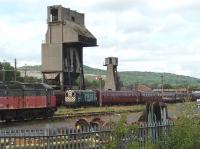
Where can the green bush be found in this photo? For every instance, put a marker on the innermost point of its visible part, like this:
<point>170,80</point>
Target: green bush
<point>185,134</point>
<point>120,130</point>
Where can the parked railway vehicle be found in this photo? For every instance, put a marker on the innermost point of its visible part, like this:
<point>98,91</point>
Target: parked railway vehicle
<point>20,101</point>
<point>196,94</point>
<point>177,97</point>
<point>80,98</point>
<point>77,98</point>
<point>120,97</point>
<point>149,97</point>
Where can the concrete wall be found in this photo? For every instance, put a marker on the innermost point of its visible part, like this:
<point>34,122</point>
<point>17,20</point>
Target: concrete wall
<point>110,83</point>
<point>62,50</point>
<point>52,57</point>
<point>111,78</point>
<point>65,14</point>
<point>70,14</point>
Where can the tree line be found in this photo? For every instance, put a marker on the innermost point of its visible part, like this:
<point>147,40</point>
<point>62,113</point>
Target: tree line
<point>7,73</point>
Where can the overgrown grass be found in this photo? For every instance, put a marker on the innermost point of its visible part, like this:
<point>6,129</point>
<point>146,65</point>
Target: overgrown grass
<point>174,109</point>
<point>177,110</point>
<point>119,109</point>
<point>121,129</point>
<point>184,135</point>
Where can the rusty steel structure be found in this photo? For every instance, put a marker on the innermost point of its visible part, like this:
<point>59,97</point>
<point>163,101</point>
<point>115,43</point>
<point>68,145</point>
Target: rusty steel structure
<point>62,51</point>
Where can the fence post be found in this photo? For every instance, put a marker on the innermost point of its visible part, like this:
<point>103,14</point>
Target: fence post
<point>48,138</point>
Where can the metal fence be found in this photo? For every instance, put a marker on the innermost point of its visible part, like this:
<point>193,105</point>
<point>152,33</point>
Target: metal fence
<point>85,138</point>
<point>56,138</point>
<point>146,133</point>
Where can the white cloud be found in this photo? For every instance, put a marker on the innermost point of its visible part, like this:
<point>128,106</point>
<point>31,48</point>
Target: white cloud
<point>21,41</point>
<point>172,5</point>
<point>161,36</point>
<point>172,23</point>
<point>133,21</point>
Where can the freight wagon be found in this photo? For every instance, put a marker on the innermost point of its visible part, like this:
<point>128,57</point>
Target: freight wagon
<point>20,101</point>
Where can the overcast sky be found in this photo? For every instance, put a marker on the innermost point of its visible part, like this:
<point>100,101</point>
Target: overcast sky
<point>146,35</point>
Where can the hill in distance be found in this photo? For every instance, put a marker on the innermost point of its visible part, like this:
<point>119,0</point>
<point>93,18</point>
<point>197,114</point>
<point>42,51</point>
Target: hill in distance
<point>134,77</point>
<point>148,78</point>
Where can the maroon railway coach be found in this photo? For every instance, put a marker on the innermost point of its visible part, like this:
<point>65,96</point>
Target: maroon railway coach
<point>120,97</point>
<point>20,101</point>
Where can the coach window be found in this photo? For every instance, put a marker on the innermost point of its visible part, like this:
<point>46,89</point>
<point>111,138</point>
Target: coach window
<point>37,92</point>
<point>15,92</point>
<point>40,92</point>
<point>43,92</point>
<point>2,92</point>
<point>30,92</point>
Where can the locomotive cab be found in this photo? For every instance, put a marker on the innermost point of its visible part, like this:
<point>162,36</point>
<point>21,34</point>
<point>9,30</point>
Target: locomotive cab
<point>80,98</point>
<point>70,97</point>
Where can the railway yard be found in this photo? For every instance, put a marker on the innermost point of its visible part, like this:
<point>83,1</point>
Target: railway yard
<point>36,133</point>
<point>68,117</point>
<point>61,111</point>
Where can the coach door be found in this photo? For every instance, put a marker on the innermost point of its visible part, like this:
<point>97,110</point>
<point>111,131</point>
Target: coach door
<point>49,94</point>
<point>3,94</point>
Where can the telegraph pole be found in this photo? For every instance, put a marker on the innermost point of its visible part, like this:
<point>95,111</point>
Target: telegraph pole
<point>25,73</point>
<point>3,73</point>
<point>162,85</point>
<point>15,69</point>
<point>100,89</point>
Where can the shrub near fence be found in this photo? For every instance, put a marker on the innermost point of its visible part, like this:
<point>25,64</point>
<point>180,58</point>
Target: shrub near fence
<point>146,133</point>
<point>56,138</point>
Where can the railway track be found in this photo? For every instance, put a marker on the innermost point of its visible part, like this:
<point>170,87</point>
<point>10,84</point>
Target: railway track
<point>76,115</point>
